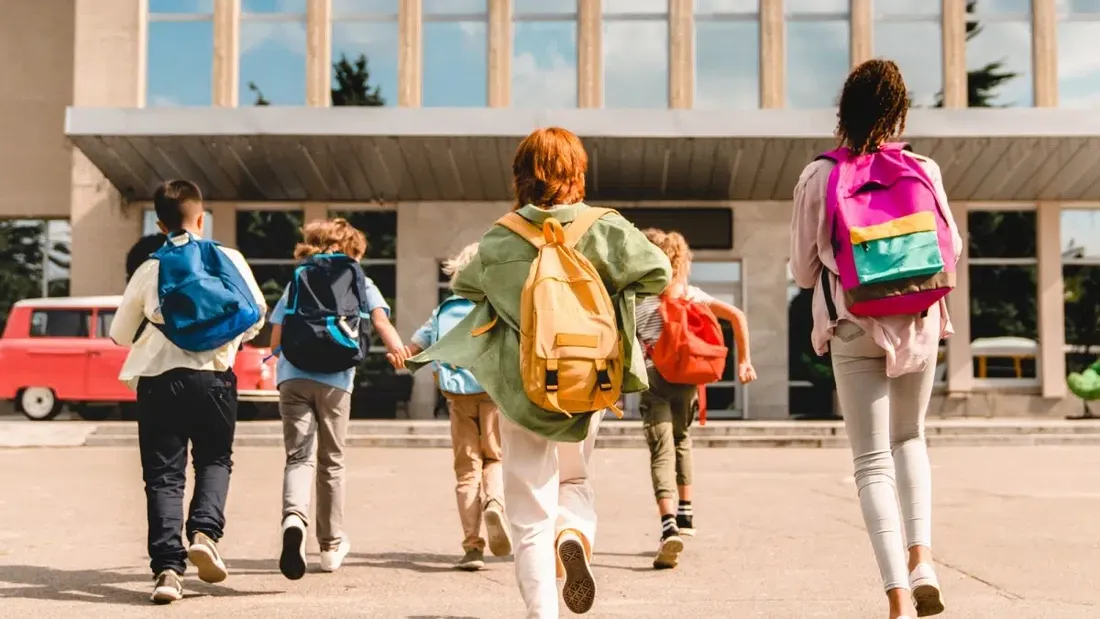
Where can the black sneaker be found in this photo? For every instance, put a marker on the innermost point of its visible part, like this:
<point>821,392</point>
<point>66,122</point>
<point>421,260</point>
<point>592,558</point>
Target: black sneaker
<point>686,524</point>
<point>203,554</point>
<point>168,588</point>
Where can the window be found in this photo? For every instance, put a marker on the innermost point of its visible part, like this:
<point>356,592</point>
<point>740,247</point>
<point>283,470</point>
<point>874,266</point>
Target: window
<point>911,34</point>
<point>180,53</point>
<point>702,227</point>
<point>998,53</point>
<point>267,240</point>
<point>635,53</point>
<point>104,318</point>
<point>1003,291</point>
<point>544,54</point>
<point>727,54</point>
<point>456,53</point>
<point>1081,276</point>
<point>1078,64</point>
<point>818,55</point>
<point>364,35</point>
<point>273,52</point>
<point>722,280</point>
<point>149,224</point>
<point>61,323</point>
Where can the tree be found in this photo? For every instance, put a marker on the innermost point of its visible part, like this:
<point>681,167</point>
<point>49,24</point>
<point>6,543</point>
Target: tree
<point>981,83</point>
<point>261,100</point>
<point>22,271</point>
<point>353,84</point>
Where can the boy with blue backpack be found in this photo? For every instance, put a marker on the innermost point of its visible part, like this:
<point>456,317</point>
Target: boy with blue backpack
<point>475,433</point>
<point>321,332</point>
<point>185,313</point>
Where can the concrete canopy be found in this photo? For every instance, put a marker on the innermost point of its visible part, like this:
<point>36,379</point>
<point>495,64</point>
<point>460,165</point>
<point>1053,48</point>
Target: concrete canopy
<point>404,154</point>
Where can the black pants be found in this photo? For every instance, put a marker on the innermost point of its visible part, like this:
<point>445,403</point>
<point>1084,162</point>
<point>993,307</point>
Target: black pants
<point>175,408</point>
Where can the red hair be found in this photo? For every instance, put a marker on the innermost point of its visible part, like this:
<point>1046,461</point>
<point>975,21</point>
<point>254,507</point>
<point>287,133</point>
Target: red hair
<point>549,168</point>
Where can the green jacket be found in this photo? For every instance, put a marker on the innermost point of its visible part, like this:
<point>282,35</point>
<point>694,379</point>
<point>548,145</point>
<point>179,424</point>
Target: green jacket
<point>629,265</point>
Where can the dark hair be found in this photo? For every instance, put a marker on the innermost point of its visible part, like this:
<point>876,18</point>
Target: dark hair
<point>177,202</point>
<point>140,252</point>
<point>872,106</point>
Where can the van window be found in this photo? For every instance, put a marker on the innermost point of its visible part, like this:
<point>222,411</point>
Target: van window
<point>103,324</point>
<point>61,323</point>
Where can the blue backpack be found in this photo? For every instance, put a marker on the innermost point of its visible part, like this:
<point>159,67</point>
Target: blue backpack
<point>454,380</point>
<point>204,300</point>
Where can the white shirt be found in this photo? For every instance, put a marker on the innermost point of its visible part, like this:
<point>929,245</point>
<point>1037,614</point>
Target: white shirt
<point>152,354</point>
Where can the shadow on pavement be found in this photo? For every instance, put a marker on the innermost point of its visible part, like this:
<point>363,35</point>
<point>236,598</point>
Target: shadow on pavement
<point>424,563</point>
<point>107,586</point>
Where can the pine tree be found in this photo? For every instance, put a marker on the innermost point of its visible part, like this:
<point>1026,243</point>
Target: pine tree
<point>353,84</point>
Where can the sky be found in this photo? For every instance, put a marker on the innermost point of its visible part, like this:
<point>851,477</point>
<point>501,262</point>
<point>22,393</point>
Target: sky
<point>635,51</point>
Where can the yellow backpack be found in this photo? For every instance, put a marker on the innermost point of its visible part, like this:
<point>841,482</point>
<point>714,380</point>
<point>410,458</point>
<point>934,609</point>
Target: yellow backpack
<point>571,356</point>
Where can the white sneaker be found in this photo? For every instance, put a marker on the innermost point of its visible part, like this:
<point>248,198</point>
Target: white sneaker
<point>332,559</point>
<point>926,590</point>
<point>292,561</point>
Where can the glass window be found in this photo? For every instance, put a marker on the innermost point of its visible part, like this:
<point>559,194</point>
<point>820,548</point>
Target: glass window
<point>909,8</point>
<point>727,56</point>
<point>1003,292</point>
<point>818,6</point>
<point>460,7</point>
<point>273,6</point>
<point>544,7</point>
<point>456,54</point>
<point>1078,64</point>
<point>181,6</point>
<point>817,62</point>
<point>60,323</point>
<point>364,53</point>
<point>1081,276</point>
<point>544,64</point>
<point>104,318</point>
<point>273,62</point>
<point>913,39</point>
<point>702,227</point>
<point>267,240</point>
<point>635,7</point>
<point>180,62</point>
<point>722,280</point>
<point>358,7</point>
<point>726,6</point>
<point>149,224</point>
<point>635,55</point>
<point>998,54</point>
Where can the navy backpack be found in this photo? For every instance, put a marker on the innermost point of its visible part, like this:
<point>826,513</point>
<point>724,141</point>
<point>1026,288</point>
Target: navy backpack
<point>204,300</point>
<point>327,326</point>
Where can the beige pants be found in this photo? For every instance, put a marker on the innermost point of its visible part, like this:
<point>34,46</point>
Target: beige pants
<point>547,488</point>
<point>475,439</point>
<point>315,411</point>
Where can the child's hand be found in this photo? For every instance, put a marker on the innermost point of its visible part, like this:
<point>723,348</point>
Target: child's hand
<point>397,356</point>
<point>745,372</point>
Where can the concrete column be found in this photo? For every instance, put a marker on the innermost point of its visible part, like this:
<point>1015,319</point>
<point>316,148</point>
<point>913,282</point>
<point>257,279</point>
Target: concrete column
<point>500,53</point>
<point>589,53</point>
<point>954,54</point>
<point>224,228</point>
<point>410,54</point>
<point>960,364</point>
<point>319,53</point>
<point>773,56</point>
<point>1044,52</point>
<point>862,33</point>
<point>1051,301</point>
<point>313,211</point>
<point>109,43</point>
<point>681,54</point>
<point>227,45</point>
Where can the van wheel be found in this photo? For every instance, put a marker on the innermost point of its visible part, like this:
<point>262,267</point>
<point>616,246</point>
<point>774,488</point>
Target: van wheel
<point>39,403</point>
<point>94,412</point>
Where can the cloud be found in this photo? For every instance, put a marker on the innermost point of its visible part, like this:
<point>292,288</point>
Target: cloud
<point>163,101</point>
<point>290,36</point>
<point>635,64</point>
<point>544,78</point>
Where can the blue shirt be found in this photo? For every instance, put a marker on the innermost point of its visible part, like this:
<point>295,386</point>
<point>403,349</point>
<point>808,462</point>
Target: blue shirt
<point>285,370</point>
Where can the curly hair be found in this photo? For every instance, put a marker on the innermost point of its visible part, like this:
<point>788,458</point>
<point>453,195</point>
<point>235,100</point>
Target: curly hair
<point>872,107</point>
<point>330,236</point>
<point>454,265</point>
<point>675,247</point>
<point>549,168</point>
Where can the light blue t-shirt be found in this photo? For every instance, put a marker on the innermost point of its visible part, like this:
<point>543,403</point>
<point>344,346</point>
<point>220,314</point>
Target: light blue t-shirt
<point>285,370</point>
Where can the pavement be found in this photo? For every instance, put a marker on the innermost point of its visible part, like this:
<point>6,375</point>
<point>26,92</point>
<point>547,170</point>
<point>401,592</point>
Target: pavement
<point>780,537</point>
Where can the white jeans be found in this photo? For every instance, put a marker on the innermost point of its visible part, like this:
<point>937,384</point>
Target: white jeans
<point>546,491</point>
<point>884,418</point>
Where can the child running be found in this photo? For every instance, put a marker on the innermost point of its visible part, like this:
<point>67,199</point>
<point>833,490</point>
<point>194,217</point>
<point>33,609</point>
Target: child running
<point>668,408</point>
<point>569,361</point>
<point>321,333</point>
<point>186,388</point>
<point>475,432</point>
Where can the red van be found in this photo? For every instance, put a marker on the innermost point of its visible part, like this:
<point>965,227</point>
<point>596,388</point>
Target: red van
<point>56,352</point>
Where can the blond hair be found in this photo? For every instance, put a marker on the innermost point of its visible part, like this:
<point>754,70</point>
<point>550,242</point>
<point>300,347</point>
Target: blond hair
<point>454,265</point>
<point>675,247</point>
<point>326,236</point>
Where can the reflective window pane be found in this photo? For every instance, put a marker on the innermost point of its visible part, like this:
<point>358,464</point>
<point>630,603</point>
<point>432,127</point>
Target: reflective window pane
<point>364,6</point>
<point>1080,235</point>
<point>544,65</point>
<point>635,6</point>
<point>817,62</point>
<point>703,227</point>
<point>816,6</point>
<point>1001,234</point>
<point>917,48</point>
<point>908,7</point>
<point>376,43</point>
<point>181,6</point>
<point>443,7</point>
<point>380,228</point>
<point>998,60</point>
<point>727,64</point>
<point>180,64</point>
<point>520,7</point>
<point>1003,321</point>
<point>727,6</point>
<point>273,6</point>
<point>273,63</point>
<point>456,58</point>
<point>268,234</point>
<point>1078,64</point>
<point>1082,307</point>
<point>1078,6</point>
<point>635,64</point>
<point>992,7</point>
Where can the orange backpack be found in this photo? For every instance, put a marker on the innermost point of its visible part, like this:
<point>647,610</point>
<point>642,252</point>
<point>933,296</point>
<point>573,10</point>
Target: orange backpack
<point>691,349</point>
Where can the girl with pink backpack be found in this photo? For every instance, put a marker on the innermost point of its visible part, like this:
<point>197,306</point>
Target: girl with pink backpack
<point>873,234</point>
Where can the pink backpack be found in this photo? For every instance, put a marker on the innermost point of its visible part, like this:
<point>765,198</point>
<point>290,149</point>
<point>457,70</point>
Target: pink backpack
<point>891,238</point>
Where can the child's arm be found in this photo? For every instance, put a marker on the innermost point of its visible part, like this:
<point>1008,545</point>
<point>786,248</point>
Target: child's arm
<point>736,317</point>
<point>423,338</point>
<point>395,348</point>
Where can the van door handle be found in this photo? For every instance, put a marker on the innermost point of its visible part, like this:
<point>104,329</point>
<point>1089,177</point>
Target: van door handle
<point>94,353</point>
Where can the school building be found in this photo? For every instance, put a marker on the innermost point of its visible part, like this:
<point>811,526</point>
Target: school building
<point>697,115</point>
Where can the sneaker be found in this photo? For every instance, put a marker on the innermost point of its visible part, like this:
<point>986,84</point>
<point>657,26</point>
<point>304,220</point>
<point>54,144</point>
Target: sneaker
<point>668,552</point>
<point>472,561</point>
<point>579,591</point>
<point>686,524</point>
<point>203,554</point>
<point>500,542</point>
<point>168,588</point>
<point>926,590</point>
<point>333,557</point>
<point>292,561</point>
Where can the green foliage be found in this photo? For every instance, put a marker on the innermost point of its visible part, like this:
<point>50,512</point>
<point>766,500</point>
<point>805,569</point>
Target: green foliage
<point>261,100</point>
<point>353,84</point>
<point>21,268</point>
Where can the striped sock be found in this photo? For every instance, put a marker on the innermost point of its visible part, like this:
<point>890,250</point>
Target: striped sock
<point>685,509</point>
<point>685,516</point>
<point>668,526</point>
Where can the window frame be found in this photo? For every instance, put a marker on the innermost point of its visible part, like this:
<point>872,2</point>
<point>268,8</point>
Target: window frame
<point>87,313</point>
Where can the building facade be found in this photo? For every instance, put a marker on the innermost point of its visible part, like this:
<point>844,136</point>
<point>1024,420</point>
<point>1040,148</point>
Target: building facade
<point>698,115</point>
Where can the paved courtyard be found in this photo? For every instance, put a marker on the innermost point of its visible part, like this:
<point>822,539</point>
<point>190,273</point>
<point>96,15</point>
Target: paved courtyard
<point>780,536</point>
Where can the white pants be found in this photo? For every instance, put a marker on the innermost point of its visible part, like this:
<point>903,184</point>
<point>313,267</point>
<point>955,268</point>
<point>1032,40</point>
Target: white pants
<point>884,419</point>
<point>546,491</point>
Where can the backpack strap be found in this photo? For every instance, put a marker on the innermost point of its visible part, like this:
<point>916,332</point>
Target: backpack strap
<point>829,305</point>
<point>585,220</point>
<point>529,231</point>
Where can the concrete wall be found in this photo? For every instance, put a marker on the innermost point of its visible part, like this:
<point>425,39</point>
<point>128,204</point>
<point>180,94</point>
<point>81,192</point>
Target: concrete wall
<point>36,45</point>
